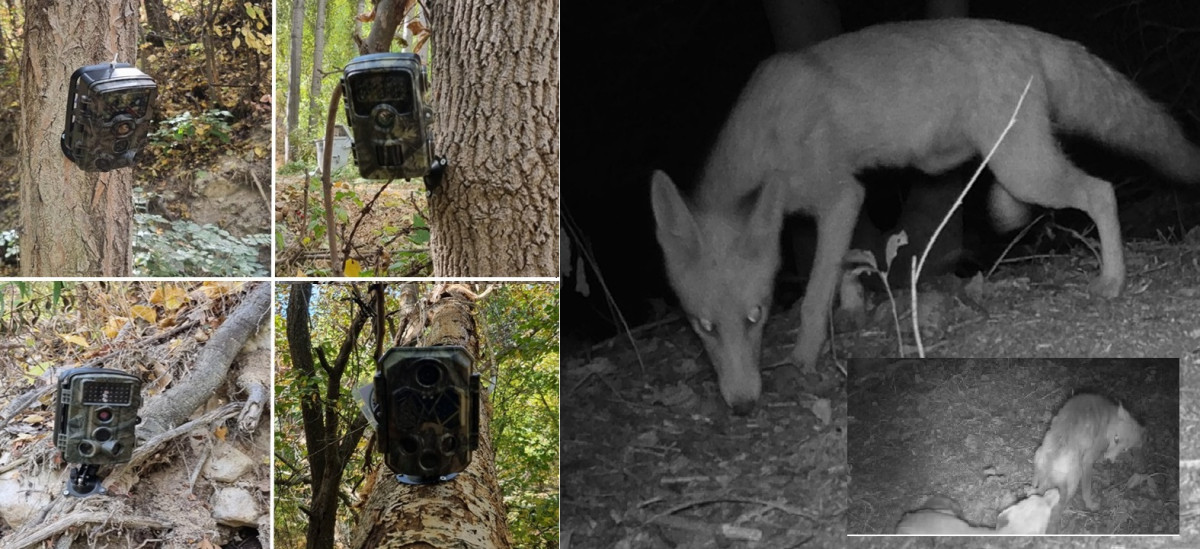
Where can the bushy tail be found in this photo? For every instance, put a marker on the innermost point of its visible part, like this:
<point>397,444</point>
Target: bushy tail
<point>1089,97</point>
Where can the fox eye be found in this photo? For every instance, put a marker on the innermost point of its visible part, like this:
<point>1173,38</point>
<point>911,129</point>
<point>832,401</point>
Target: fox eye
<point>755,314</point>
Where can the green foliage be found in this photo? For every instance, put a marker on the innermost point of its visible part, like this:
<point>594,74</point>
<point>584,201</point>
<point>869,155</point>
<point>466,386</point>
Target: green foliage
<point>183,248</point>
<point>521,328</point>
<point>184,130</point>
<point>294,167</point>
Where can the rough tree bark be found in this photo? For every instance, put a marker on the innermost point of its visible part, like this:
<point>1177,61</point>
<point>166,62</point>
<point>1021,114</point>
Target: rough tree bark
<point>495,90</point>
<point>329,441</point>
<point>72,223</point>
<point>314,90</point>
<point>295,53</point>
<point>467,512</point>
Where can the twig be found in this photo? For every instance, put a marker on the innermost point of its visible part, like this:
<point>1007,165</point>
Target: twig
<point>362,215</point>
<point>918,266</point>
<point>258,185</point>
<point>13,465</point>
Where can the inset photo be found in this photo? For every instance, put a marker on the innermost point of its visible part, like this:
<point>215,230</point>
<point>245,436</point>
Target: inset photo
<point>417,138</point>
<point>1059,446</point>
<point>419,414</point>
<point>135,138</point>
<point>135,414</point>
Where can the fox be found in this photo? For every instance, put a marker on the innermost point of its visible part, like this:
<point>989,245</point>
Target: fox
<point>1087,429</point>
<point>927,94</point>
<point>941,516</point>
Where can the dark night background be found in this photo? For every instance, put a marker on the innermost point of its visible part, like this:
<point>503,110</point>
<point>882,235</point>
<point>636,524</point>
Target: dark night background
<point>649,84</point>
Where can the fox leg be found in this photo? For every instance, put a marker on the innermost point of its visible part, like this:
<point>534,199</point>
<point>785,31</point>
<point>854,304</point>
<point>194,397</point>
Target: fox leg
<point>1086,481</point>
<point>1031,167</point>
<point>835,224</point>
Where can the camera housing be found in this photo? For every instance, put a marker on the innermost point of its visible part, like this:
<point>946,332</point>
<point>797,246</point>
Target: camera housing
<point>426,401</point>
<point>108,116</point>
<point>96,414</point>
<point>385,107</point>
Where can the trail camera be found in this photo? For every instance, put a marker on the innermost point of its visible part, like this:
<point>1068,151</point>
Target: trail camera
<point>108,116</point>
<point>96,411</point>
<point>427,407</point>
<point>385,106</point>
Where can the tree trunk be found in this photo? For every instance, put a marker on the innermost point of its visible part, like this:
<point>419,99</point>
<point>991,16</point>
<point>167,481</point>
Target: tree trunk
<point>495,91</point>
<point>314,92</point>
<point>295,52</point>
<point>329,448</point>
<point>156,16</point>
<point>467,512</point>
<point>73,224</point>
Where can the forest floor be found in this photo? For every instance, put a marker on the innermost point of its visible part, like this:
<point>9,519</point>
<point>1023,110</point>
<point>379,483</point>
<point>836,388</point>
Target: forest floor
<point>653,457</point>
<point>182,486</point>
<point>390,239</point>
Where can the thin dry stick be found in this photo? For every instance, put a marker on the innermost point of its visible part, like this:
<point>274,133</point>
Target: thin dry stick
<point>363,214</point>
<point>1012,243</point>
<point>917,266</point>
<point>76,519</point>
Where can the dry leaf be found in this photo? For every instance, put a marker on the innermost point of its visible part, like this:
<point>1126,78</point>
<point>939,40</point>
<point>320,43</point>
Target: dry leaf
<point>145,313</point>
<point>74,338</point>
<point>34,419</point>
<point>220,432</point>
<point>174,298</point>
<point>113,326</point>
<point>353,269</point>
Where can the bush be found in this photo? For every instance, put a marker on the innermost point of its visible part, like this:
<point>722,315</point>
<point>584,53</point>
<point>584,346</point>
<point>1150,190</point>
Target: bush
<point>183,248</point>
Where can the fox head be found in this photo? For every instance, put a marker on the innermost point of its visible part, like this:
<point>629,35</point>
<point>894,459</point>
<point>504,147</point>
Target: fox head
<point>1030,516</point>
<point>1124,434</point>
<point>721,261</point>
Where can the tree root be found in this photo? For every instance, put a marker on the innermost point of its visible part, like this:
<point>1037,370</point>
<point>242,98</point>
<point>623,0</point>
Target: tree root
<point>84,517</point>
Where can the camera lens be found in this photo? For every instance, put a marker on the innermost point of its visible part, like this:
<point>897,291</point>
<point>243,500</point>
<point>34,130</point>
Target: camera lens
<point>102,434</point>
<point>123,128</point>
<point>385,118</point>
<point>87,449</point>
<point>410,444</point>
<point>103,164</point>
<point>430,461</point>
<point>104,415</point>
<point>449,443</point>
<point>120,146</point>
<point>429,372</point>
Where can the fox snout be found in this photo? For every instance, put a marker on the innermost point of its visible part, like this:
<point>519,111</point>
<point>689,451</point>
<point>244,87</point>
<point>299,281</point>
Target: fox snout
<point>736,362</point>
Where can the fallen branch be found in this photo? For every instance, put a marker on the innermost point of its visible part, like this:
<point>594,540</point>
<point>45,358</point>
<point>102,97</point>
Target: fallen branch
<point>212,365</point>
<point>84,517</point>
<point>152,446</point>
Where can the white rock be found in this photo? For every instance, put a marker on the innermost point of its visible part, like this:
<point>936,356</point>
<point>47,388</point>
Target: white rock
<point>227,464</point>
<point>235,507</point>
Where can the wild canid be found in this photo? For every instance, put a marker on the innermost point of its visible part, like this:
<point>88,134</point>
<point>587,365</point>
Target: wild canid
<point>929,94</point>
<point>1087,429</point>
<point>942,517</point>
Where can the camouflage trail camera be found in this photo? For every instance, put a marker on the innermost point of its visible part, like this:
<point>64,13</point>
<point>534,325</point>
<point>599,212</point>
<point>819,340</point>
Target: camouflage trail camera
<point>108,116</point>
<point>385,106</point>
<point>427,406</point>
<point>96,414</point>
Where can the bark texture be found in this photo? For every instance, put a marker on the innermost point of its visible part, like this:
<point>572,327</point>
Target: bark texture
<point>72,223</point>
<point>495,89</point>
<point>314,90</point>
<point>467,512</point>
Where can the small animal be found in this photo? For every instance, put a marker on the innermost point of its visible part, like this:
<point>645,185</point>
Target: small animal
<point>926,94</point>
<point>941,516</point>
<point>1087,429</point>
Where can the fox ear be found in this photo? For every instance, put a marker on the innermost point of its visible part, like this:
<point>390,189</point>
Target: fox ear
<point>677,230</point>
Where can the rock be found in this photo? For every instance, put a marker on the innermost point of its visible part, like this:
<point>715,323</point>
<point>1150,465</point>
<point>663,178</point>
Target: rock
<point>235,507</point>
<point>22,495</point>
<point>227,464</point>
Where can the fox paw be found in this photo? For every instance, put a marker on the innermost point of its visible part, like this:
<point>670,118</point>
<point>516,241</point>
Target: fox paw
<point>1106,287</point>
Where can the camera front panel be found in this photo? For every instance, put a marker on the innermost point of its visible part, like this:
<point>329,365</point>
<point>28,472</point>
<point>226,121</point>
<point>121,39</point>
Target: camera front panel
<point>96,415</point>
<point>426,409</point>
<point>109,118</point>
<point>385,107</point>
